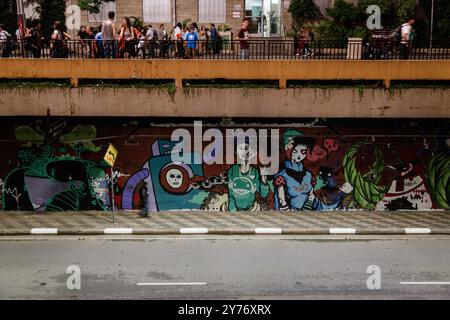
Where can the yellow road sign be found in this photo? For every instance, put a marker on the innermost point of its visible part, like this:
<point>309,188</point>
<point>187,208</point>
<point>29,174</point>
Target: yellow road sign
<point>111,155</point>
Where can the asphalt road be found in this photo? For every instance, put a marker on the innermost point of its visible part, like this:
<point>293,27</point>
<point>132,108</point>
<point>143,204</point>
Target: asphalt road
<point>224,268</point>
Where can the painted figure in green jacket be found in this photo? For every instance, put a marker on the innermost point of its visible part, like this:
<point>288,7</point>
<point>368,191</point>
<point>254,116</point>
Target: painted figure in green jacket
<point>244,181</point>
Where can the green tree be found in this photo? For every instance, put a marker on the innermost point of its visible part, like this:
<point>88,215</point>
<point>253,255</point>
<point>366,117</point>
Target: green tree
<point>51,11</point>
<point>8,15</point>
<point>344,20</point>
<point>441,29</point>
<point>93,6</point>
<point>303,12</point>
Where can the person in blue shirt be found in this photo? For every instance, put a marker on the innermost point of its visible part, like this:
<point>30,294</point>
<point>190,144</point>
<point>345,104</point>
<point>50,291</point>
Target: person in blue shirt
<point>191,39</point>
<point>99,43</point>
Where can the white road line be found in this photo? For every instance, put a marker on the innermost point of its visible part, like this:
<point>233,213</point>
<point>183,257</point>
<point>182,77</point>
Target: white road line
<point>194,230</point>
<point>417,230</point>
<point>44,231</point>
<point>427,283</point>
<point>268,230</point>
<point>342,231</point>
<point>118,231</point>
<point>172,284</point>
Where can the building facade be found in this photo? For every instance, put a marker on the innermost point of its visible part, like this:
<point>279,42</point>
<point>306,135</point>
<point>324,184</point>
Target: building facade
<point>268,18</point>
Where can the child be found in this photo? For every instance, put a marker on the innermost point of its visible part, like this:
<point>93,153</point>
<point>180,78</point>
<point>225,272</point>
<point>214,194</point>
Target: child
<point>191,38</point>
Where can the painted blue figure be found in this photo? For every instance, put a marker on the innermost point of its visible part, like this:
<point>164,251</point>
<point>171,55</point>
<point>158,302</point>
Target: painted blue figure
<point>294,184</point>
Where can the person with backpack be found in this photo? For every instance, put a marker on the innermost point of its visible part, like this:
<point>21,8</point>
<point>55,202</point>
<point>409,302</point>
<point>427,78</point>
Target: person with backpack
<point>151,38</point>
<point>406,37</point>
<point>6,45</point>
<point>58,44</point>
<point>33,40</point>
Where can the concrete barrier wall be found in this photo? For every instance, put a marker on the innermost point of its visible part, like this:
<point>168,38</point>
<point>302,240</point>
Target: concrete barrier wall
<point>50,164</point>
<point>179,70</point>
<point>226,102</point>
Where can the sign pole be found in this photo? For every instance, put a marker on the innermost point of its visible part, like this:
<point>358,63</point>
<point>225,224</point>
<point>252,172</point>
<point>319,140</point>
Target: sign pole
<point>112,195</point>
<point>110,158</point>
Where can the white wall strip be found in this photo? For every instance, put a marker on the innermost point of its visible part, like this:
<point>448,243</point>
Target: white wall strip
<point>44,231</point>
<point>417,230</point>
<point>118,230</point>
<point>193,230</point>
<point>426,283</point>
<point>172,284</point>
<point>268,230</point>
<point>342,231</point>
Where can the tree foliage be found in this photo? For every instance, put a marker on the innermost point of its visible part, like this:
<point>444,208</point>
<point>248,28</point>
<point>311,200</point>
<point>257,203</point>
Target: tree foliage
<point>8,15</point>
<point>346,19</point>
<point>93,6</point>
<point>303,12</point>
<point>51,11</point>
<point>441,29</point>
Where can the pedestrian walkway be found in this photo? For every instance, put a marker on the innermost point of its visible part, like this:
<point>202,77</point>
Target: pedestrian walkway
<point>225,223</point>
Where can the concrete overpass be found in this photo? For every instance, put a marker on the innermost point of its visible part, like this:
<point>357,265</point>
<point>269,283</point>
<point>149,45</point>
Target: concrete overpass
<point>181,100</point>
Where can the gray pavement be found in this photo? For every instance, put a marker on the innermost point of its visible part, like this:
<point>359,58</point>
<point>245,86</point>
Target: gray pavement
<point>224,223</point>
<point>225,267</point>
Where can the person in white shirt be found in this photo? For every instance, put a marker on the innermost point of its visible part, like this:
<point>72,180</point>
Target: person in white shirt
<point>151,37</point>
<point>406,38</point>
<point>5,42</point>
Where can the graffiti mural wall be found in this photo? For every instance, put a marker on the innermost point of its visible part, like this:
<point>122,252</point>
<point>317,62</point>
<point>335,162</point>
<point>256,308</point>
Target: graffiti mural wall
<point>56,165</point>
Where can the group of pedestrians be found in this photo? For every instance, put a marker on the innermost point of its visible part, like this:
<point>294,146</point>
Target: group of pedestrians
<point>112,40</point>
<point>128,41</point>
<point>122,39</point>
<point>29,42</point>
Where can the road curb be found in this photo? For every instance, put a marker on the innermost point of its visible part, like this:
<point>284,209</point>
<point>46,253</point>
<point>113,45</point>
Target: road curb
<point>211,231</point>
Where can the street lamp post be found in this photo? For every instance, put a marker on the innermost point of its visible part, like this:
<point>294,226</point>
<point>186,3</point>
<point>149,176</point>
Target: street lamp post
<point>21,17</point>
<point>431,25</point>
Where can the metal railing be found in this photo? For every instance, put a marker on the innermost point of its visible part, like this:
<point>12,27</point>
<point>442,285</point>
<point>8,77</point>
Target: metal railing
<point>226,49</point>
